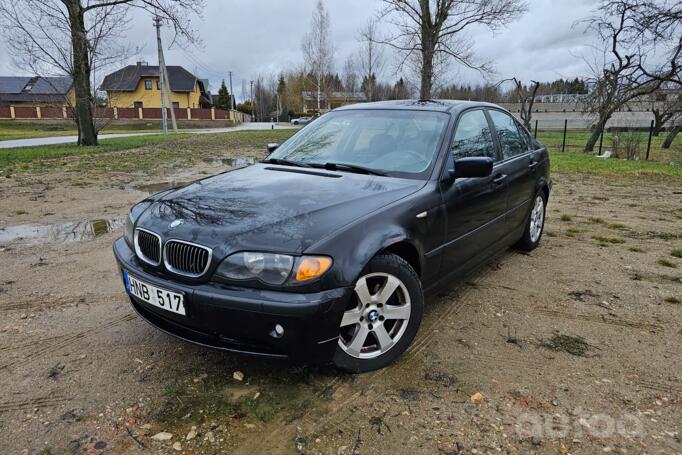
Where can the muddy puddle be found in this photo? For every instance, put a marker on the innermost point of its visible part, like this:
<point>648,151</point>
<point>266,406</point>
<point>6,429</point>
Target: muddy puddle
<point>59,232</point>
<point>232,162</point>
<point>152,188</point>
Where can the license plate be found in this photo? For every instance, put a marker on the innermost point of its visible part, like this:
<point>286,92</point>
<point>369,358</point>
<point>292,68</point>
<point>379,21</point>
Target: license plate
<point>162,298</point>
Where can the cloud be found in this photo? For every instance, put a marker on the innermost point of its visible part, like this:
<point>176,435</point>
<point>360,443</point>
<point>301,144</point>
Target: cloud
<point>263,37</point>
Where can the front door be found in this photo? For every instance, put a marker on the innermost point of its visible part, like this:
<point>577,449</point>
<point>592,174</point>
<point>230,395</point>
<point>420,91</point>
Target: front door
<point>475,206</point>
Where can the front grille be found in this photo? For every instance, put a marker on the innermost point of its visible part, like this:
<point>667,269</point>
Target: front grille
<point>148,246</point>
<point>186,258</point>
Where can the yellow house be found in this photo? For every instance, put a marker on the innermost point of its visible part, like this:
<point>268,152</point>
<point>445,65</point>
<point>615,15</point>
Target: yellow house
<point>139,86</point>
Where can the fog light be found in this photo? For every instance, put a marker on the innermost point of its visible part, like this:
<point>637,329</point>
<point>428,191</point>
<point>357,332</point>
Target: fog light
<point>277,332</point>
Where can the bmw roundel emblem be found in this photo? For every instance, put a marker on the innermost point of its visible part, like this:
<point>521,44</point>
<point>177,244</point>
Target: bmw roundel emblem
<point>175,224</point>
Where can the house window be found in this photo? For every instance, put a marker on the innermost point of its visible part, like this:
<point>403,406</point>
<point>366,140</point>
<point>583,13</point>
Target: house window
<point>176,105</point>
<point>158,84</point>
<point>148,84</point>
<point>138,104</point>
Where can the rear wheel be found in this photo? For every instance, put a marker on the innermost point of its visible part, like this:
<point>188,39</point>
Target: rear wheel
<point>383,316</point>
<point>535,224</point>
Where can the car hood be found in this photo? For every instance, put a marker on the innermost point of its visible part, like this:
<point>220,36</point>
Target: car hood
<point>270,208</point>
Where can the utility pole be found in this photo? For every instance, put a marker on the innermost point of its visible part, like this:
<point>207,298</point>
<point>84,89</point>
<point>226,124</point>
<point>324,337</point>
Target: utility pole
<point>164,121</point>
<point>231,92</point>
<point>253,105</point>
<point>165,82</point>
<point>170,96</point>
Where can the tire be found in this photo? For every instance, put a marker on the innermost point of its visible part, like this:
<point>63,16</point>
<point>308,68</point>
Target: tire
<point>383,317</point>
<point>535,224</point>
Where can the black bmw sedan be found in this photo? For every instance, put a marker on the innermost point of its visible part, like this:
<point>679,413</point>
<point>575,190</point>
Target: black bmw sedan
<point>325,250</point>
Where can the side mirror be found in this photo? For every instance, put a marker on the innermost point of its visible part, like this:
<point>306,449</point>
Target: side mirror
<point>472,167</point>
<point>272,147</point>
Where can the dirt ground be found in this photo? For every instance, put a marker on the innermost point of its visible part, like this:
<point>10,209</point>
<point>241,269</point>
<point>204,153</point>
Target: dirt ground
<point>573,348</point>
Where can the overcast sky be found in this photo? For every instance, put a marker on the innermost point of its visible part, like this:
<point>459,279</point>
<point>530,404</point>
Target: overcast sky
<point>251,37</point>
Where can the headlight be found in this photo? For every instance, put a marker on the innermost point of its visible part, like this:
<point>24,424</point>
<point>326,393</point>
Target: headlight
<point>128,231</point>
<point>266,267</point>
<point>272,268</point>
<point>135,212</point>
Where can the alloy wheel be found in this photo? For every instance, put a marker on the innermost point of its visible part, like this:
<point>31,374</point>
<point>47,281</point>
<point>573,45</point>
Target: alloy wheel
<point>537,218</point>
<point>379,317</point>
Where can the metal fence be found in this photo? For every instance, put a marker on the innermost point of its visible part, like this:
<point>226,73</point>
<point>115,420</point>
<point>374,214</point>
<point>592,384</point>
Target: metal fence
<point>571,135</point>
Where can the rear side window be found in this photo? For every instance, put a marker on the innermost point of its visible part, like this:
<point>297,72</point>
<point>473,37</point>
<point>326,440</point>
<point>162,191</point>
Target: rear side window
<point>473,137</point>
<point>511,141</point>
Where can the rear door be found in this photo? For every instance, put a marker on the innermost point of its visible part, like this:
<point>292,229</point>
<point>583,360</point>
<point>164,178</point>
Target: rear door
<point>517,166</point>
<point>475,206</point>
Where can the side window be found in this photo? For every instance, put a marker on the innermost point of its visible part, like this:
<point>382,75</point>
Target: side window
<point>527,136</point>
<point>511,141</point>
<point>473,137</point>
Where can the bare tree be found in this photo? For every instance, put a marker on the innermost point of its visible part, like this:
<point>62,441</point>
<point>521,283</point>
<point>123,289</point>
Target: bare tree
<point>660,23</point>
<point>318,51</point>
<point>630,33</point>
<point>75,37</point>
<point>435,29</point>
<point>350,75</point>
<point>370,56</point>
<point>665,111</point>
<point>526,98</point>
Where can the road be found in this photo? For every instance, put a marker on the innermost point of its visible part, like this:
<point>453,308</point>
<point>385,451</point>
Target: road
<point>70,139</point>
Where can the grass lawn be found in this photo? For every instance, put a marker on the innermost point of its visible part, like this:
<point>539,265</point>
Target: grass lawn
<point>571,162</point>
<point>140,153</point>
<point>23,157</point>
<point>575,142</point>
<point>10,130</point>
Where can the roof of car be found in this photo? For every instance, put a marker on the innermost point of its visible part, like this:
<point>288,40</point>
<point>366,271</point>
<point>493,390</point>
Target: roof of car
<point>425,105</point>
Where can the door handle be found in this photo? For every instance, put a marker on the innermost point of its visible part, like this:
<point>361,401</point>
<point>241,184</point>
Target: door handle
<point>499,178</point>
<point>532,165</point>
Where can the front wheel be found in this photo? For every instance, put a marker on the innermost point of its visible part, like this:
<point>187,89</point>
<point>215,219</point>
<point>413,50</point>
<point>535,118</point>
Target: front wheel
<point>383,316</point>
<point>535,224</point>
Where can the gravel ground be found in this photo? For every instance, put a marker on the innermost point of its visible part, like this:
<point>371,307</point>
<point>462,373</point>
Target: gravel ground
<point>573,348</point>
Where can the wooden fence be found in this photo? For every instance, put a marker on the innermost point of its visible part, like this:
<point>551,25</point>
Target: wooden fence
<point>143,113</point>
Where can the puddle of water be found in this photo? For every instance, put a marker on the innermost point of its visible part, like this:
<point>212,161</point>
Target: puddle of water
<point>232,162</point>
<point>60,232</point>
<point>152,188</point>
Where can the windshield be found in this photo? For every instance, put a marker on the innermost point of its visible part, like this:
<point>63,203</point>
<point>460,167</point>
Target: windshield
<point>400,143</point>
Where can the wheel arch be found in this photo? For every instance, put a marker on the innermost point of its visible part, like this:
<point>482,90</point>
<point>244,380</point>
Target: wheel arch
<point>544,186</point>
<point>407,251</point>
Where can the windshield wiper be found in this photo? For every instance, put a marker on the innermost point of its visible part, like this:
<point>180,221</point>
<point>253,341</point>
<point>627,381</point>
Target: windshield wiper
<point>349,167</point>
<point>284,162</point>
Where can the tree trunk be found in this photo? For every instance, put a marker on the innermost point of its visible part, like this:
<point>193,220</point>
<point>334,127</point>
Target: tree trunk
<point>526,115</point>
<point>589,147</point>
<point>428,49</point>
<point>671,136</point>
<point>87,135</point>
<point>658,125</point>
<point>426,72</point>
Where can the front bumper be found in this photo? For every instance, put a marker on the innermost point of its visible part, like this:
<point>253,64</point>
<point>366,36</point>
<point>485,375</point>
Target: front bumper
<point>242,320</point>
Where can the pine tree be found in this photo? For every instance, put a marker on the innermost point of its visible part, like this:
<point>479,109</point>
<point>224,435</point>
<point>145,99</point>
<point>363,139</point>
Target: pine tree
<point>223,101</point>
